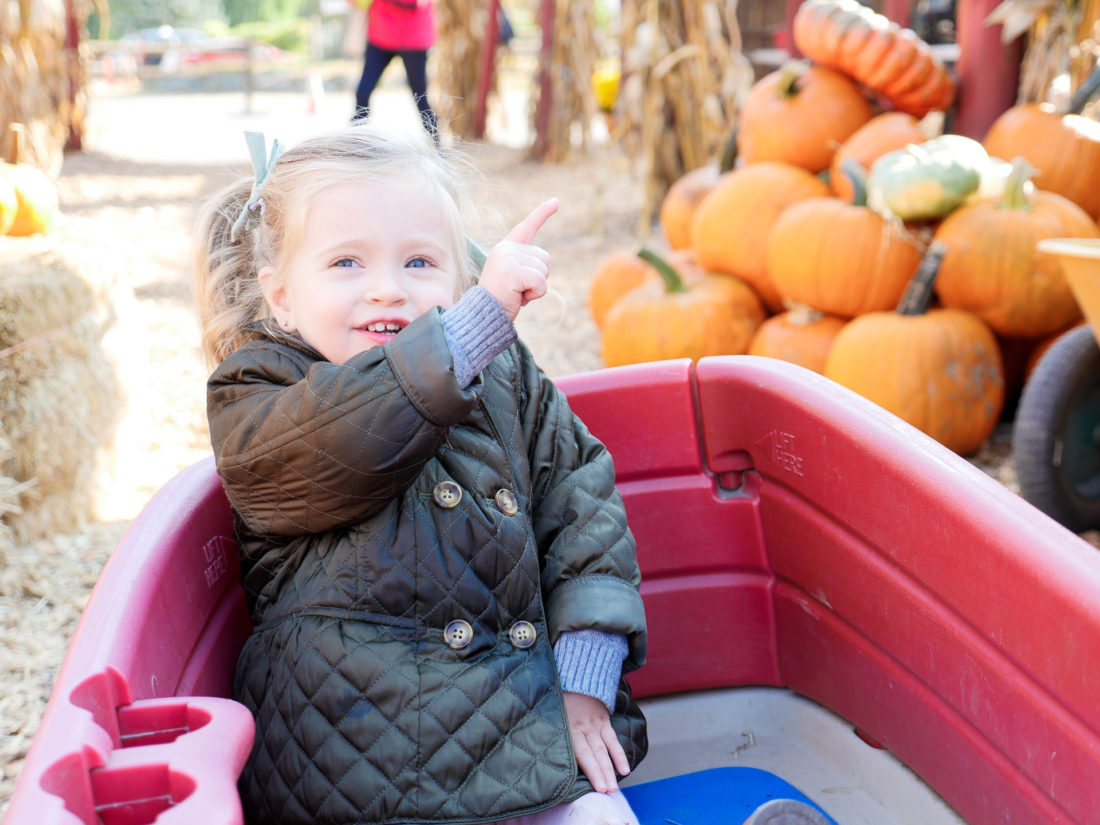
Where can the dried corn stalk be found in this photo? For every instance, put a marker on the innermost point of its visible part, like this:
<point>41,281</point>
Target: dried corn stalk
<point>41,82</point>
<point>462,27</point>
<point>1062,44</point>
<point>684,79</point>
<point>566,104</point>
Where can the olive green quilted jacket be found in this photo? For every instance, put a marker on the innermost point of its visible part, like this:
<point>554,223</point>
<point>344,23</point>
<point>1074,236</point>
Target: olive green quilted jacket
<point>411,550</point>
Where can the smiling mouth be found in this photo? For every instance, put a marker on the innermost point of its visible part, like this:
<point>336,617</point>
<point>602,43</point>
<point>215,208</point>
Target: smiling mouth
<point>382,330</point>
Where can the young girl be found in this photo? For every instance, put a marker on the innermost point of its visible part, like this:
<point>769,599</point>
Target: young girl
<point>443,587</point>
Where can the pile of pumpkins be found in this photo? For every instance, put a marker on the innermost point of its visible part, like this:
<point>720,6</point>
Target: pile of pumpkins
<point>853,239</point>
<point>28,197</point>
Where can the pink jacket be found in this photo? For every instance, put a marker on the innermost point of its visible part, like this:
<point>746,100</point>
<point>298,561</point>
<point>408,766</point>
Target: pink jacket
<point>401,25</point>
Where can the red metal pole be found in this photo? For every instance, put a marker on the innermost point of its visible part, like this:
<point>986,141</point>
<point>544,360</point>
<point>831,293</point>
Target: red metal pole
<point>988,70</point>
<point>73,70</point>
<point>898,11</point>
<point>485,69</point>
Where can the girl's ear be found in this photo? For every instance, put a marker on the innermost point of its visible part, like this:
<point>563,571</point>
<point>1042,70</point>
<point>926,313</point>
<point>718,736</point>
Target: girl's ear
<point>275,295</point>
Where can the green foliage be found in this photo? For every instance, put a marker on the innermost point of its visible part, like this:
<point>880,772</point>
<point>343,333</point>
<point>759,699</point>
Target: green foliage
<point>266,11</point>
<point>129,16</point>
<point>291,35</point>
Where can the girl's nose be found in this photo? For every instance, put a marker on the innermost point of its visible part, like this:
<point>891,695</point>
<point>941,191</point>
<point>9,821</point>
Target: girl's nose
<point>385,286</point>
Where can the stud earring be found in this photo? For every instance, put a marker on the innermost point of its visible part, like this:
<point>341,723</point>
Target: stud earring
<point>286,324</point>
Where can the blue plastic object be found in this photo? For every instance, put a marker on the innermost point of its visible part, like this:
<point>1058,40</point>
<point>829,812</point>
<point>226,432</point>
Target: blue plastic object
<point>720,796</point>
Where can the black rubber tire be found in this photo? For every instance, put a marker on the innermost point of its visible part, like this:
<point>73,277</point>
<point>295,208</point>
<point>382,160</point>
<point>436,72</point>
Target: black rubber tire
<point>1056,435</point>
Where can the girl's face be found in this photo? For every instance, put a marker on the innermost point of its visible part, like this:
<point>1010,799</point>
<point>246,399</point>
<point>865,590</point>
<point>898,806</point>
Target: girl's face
<point>374,256</point>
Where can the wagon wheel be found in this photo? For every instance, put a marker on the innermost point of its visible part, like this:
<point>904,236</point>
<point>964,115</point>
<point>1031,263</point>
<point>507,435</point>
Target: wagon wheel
<point>1056,437</point>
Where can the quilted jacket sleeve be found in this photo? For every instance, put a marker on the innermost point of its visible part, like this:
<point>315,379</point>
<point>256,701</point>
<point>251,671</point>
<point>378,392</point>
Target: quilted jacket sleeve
<point>303,445</point>
<point>590,573</point>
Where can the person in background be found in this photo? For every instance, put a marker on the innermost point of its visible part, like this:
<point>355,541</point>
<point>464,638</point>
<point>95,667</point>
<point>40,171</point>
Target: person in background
<point>405,29</point>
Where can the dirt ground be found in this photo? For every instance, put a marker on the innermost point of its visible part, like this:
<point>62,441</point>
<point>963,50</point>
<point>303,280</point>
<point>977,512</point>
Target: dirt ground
<point>128,204</point>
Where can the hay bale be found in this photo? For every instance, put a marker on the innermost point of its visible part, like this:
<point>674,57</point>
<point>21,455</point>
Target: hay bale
<point>59,394</point>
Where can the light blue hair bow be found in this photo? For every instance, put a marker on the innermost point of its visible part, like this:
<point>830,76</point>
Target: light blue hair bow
<point>262,164</point>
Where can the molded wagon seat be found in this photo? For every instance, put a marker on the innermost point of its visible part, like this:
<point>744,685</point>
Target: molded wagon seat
<point>790,534</point>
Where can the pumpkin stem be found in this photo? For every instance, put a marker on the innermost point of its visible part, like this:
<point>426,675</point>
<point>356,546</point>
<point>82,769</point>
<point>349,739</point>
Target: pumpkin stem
<point>800,314</point>
<point>1015,196</point>
<point>855,173</point>
<point>918,294</point>
<point>728,157</point>
<point>1085,93</point>
<point>672,279</point>
<point>791,73</point>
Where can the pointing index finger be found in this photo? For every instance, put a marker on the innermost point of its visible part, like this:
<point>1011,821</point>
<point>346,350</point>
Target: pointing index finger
<point>525,230</point>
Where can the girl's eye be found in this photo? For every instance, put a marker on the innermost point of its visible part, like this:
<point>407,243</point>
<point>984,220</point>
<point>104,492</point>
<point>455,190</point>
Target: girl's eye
<point>345,262</point>
<point>419,263</point>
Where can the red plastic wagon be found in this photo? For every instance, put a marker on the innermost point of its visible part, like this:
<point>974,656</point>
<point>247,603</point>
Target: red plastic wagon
<point>839,608</point>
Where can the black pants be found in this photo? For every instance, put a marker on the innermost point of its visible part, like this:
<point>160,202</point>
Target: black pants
<point>375,62</point>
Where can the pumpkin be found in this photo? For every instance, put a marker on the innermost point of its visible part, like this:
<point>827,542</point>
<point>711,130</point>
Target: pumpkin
<point>9,205</point>
<point>800,114</point>
<point>666,318</point>
<point>937,369</point>
<point>801,336</point>
<point>870,48</point>
<point>730,229</point>
<point>840,258</point>
<point>928,180</point>
<point>883,133</point>
<point>993,269</point>
<point>682,200</point>
<point>36,198</point>
<point>623,270</point>
<point>1063,148</point>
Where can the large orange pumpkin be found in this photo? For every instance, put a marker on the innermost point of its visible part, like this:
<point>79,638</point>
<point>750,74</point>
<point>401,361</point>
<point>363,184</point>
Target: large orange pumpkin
<point>1063,148</point>
<point>730,229</point>
<point>800,114</point>
<point>666,318</point>
<point>623,270</point>
<point>841,258</point>
<point>852,38</point>
<point>880,135</point>
<point>681,202</point>
<point>801,335</point>
<point>993,269</point>
<point>939,369</point>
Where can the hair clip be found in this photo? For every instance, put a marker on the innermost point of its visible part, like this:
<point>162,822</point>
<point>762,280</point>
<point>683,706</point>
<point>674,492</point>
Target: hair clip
<point>262,164</point>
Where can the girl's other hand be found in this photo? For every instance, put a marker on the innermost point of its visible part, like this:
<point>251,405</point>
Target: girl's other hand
<point>595,744</point>
<point>515,271</point>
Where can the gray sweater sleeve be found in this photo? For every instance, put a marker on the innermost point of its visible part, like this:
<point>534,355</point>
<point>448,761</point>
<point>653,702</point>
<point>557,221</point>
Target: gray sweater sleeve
<point>591,662</point>
<point>477,330</point>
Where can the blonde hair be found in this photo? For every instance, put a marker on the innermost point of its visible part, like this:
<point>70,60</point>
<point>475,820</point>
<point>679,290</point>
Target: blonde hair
<point>226,284</point>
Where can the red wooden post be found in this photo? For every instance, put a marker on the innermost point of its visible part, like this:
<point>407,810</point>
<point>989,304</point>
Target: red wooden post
<point>988,70</point>
<point>74,74</point>
<point>792,9</point>
<point>485,69</point>
<point>898,11</point>
<point>542,114</point>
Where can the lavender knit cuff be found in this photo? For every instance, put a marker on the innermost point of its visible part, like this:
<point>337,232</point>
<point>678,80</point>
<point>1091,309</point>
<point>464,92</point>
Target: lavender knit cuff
<point>477,330</point>
<point>591,662</point>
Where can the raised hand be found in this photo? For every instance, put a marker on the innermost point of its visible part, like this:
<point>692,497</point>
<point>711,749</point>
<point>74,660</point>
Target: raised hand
<point>515,271</point>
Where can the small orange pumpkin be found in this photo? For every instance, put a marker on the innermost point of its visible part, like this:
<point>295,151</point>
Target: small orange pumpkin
<point>9,205</point>
<point>666,318</point>
<point>993,268</point>
<point>800,114</point>
<point>939,369</point>
<point>1063,148</point>
<point>624,269</point>
<point>730,229</point>
<point>841,258</point>
<point>682,200</point>
<point>36,197</point>
<point>801,336</point>
<point>880,135</point>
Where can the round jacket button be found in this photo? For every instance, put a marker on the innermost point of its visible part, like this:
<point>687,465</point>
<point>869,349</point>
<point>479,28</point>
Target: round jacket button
<point>458,634</point>
<point>447,494</point>
<point>506,502</point>
<point>522,635</point>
